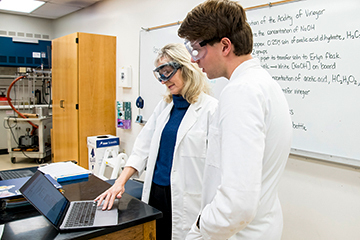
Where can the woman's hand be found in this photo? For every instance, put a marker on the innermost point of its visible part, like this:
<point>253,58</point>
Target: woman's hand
<point>115,191</point>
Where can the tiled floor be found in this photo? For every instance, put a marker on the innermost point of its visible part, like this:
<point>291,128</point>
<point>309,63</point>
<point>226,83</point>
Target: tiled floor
<point>5,162</point>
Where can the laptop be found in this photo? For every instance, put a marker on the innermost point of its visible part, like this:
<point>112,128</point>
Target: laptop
<point>62,213</point>
<point>12,180</point>
<point>19,173</point>
<point>10,188</point>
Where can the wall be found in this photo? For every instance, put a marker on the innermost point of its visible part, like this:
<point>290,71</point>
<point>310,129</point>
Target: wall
<point>25,24</point>
<point>320,200</point>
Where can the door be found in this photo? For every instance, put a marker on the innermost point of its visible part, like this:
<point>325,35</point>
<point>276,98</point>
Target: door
<point>97,89</point>
<point>65,145</point>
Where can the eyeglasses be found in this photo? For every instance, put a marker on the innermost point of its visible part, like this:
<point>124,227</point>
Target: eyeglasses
<point>166,71</point>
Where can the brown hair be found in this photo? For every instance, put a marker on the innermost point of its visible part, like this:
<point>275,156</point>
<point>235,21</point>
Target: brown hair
<point>215,19</point>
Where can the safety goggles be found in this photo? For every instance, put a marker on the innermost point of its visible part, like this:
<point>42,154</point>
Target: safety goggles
<point>165,71</point>
<point>197,49</point>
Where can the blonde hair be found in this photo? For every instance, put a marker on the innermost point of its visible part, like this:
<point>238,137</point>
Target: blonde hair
<point>195,81</point>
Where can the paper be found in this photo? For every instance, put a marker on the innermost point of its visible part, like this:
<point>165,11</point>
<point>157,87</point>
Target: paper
<point>64,170</point>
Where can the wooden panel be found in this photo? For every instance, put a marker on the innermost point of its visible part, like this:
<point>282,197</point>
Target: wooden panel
<point>150,230</point>
<point>65,93</point>
<point>144,231</point>
<point>97,89</point>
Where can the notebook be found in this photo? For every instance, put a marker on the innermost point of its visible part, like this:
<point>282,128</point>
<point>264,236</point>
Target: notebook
<point>51,203</point>
<point>65,171</point>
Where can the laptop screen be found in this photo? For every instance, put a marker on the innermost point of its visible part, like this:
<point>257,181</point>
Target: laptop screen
<point>45,197</point>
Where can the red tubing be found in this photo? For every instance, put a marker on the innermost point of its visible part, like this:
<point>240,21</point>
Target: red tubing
<point>20,114</point>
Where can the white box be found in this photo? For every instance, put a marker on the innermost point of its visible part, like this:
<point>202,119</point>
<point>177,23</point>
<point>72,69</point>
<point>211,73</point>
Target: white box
<point>96,149</point>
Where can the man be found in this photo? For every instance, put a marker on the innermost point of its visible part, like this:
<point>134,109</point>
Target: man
<point>250,134</point>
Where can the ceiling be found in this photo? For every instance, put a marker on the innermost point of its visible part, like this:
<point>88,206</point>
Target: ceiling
<point>53,9</point>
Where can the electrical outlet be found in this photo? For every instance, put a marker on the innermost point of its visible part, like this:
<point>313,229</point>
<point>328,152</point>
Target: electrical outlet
<point>125,76</point>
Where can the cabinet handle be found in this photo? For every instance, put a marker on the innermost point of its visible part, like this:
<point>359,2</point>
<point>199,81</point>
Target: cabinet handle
<point>62,103</point>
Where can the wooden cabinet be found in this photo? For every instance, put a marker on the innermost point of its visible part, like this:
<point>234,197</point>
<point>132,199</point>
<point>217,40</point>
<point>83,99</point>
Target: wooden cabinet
<point>83,92</point>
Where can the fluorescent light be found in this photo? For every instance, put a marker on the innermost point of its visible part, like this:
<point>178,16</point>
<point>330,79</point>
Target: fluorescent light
<point>25,40</point>
<point>26,6</point>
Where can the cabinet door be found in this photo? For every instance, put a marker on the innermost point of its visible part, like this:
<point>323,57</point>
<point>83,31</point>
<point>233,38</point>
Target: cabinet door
<point>65,137</point>
<point>97,89</point>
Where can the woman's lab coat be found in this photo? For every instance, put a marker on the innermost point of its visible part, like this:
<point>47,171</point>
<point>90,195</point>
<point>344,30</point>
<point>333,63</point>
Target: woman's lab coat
<point>188,162</point>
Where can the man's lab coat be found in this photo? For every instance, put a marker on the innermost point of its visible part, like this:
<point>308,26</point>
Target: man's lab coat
<point>249,144</point>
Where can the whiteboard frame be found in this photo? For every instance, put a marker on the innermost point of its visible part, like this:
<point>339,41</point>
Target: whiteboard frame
<point>326,157</point>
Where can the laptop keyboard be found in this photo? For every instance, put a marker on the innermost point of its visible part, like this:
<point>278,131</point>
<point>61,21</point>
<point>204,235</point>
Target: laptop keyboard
<point>82,214</point>
<point>5,175</point>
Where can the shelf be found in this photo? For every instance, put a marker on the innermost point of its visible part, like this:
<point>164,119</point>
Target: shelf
<point>23,107</point>
<point>14,77</point>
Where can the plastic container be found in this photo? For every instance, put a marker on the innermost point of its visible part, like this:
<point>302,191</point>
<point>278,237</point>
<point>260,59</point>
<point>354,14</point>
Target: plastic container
<point>96,149</point>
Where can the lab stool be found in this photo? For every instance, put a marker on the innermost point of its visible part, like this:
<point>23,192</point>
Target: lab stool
<point>113,160</point>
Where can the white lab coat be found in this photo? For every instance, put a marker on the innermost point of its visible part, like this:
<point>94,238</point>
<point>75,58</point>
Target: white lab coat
<point>249,143</point>
<point>188,162</point>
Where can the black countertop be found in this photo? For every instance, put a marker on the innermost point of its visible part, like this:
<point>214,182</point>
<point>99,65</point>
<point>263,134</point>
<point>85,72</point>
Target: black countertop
<point>26,223</point>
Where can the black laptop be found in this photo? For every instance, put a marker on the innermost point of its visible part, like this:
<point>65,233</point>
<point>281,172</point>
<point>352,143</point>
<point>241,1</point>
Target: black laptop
<point>62,213</point>
<point>12,180</point>
<point>17,173</point>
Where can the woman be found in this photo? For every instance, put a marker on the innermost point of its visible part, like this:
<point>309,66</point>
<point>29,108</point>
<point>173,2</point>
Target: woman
<point>172,145</point>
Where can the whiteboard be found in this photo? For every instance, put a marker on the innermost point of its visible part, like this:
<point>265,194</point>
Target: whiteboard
<point>311,49</point>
